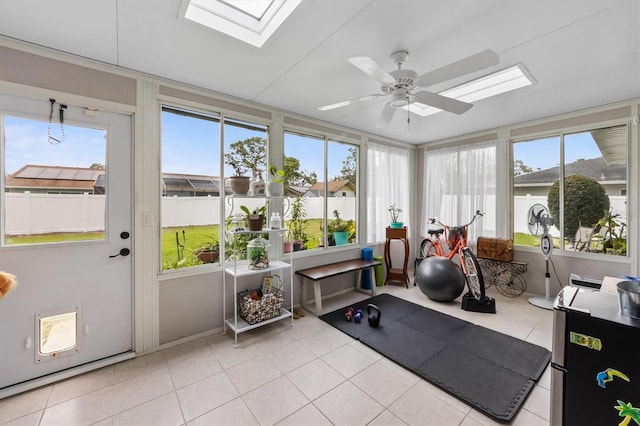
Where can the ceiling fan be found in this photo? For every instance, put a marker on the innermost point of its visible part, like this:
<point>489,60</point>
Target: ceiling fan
<point>399,84</point>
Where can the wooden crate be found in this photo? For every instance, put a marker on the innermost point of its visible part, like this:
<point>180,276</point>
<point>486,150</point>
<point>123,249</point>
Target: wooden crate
<point>495,248</point>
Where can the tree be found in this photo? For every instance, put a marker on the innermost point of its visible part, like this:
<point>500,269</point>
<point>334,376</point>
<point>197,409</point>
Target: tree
<point>584,201</point>
<point>97,166</point>
<point>348,170</point>
<point>520,168</point>
<point>294,176</point>
<point>248,154</point>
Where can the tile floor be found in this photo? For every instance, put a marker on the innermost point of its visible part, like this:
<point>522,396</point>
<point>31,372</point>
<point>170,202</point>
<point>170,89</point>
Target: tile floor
<point>308,374</point>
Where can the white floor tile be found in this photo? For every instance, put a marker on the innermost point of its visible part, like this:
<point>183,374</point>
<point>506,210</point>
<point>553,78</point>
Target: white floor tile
<point>275,401</point>
<point>164,410</point>
<point>85,410</point>
<point>348,405</point>
<point>315,378</point>
<point>205,395</point>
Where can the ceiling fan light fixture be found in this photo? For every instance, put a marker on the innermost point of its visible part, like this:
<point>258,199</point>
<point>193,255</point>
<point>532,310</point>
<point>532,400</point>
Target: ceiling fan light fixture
<point>496,83</point>
<point>400,99</point>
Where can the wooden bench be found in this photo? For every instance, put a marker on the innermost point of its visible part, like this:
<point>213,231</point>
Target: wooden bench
<point>320,273</point>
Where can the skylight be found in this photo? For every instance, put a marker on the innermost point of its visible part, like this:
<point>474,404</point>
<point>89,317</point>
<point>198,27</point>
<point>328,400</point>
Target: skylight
<point>251,21</point>
<point>490,85</point>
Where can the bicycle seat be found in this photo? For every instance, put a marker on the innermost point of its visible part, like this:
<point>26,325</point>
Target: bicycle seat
<point>435,231</point>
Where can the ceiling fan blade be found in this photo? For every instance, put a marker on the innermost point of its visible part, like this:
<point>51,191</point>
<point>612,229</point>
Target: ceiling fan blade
<point>485,59</point>
<point>349,102</point>
<point>443,102</point>
<point>370,67</point>
<point>386,116</point>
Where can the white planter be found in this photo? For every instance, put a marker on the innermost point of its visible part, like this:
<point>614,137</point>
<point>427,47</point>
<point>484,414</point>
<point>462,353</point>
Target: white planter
<point>275,189</point>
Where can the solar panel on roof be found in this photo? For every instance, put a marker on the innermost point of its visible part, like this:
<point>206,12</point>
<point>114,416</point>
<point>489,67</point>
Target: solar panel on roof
<point>67,174</point>
<point>85,175</point>
<point>30,172</point>
<point>49,174</point>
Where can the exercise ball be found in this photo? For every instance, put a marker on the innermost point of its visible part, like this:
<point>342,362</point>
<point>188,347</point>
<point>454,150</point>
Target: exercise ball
<point>440,279</point>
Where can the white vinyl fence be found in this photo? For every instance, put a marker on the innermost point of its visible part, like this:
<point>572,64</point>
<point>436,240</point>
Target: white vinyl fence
<point>28,214</point>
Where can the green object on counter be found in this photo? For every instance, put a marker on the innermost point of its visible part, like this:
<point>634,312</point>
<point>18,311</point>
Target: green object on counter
<point>379,272</point>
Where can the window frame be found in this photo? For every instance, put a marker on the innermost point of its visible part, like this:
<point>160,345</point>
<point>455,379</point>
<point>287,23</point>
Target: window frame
<point>328,137</point>
<point>560,132</point>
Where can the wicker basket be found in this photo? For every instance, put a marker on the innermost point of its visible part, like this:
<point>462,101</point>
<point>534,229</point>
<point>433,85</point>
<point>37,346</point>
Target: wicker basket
<point>257,310</point>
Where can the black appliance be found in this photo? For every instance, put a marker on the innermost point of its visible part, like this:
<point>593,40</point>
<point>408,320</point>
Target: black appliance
<point>595,375</point>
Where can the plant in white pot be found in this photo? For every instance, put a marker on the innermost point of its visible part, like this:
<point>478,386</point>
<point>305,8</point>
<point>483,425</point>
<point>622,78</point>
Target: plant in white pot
<point>275,185</point>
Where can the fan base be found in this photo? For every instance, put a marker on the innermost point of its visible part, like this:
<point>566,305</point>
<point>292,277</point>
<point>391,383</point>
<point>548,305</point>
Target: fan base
<point>541,302</point>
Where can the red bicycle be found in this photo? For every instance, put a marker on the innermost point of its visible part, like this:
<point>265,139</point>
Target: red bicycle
<point>456,237</point>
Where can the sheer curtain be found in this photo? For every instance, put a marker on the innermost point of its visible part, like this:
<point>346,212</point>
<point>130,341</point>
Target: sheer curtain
<point>464,179</point>
<point>387,184</point>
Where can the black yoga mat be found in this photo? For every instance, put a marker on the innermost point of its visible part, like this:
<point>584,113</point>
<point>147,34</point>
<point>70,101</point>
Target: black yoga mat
<point>488,370</point>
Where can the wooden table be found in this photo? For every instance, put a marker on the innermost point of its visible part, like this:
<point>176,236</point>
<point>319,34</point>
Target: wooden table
<point>319,273</point>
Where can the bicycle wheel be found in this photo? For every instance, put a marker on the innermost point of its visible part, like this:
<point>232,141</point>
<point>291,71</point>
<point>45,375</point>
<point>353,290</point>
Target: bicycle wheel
<point>510,285</point>
<point>475,282</point>
<point>427,248</point>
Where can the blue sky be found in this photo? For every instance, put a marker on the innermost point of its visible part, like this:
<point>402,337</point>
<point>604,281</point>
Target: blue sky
<point>187,147</point>
<point>27,143</point>
<point>545,153</point>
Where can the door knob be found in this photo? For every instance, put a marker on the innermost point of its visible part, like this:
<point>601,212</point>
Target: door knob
<point>123,252</point>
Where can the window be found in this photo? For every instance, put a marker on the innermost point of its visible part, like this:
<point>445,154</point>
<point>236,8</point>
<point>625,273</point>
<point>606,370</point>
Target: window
<point>460,181</point>
<point>193,186</point>
<point>588,171</point>
<point>387,184</point>
<point>321,179</point>
<point>250,21</point>
<point>54,182</point>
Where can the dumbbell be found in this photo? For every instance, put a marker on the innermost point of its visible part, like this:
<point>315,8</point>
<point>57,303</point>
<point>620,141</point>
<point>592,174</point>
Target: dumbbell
<point>358,316</point>
<point>348,314</point>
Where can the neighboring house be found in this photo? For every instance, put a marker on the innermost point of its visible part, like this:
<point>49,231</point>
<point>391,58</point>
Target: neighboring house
<point>183,185</point>
<point>612,177</point>
<point>79,180</point>
<point>56,180</point>
<point>335,188</point>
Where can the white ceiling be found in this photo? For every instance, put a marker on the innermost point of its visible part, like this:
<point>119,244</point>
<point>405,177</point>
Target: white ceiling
<point>582,53</point>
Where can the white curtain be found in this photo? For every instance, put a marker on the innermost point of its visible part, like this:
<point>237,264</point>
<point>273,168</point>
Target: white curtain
<point>387,184</point>
<point>464,179</point>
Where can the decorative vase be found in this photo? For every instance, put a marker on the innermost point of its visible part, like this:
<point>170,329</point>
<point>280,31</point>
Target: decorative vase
<point>397,225</point>
<point>239,184</point>
<point>275,189</point>
<point>341,238</point>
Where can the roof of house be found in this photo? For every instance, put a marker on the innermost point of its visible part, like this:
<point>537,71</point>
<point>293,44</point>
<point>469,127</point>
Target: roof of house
<point>36,176</point>
<point>595,168</point>
<point>333,186</point>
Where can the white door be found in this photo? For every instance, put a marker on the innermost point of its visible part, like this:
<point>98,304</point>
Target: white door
<point>66,217</point>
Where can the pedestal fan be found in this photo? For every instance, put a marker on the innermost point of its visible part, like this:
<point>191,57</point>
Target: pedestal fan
<point>539,221</point>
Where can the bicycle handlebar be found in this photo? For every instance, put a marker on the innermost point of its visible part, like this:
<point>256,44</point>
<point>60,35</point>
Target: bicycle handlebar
<point>475,216</point>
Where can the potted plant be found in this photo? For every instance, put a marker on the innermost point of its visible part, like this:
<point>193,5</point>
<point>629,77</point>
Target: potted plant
<point>296,224</point>
<point>209,252</point>
<point>395,211</point>
<point>258,253</point>
<point>255,217</point>
<point>288,244</point>
<point>239,183</point>
<point>339,229</point>
<point>275,185</point>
